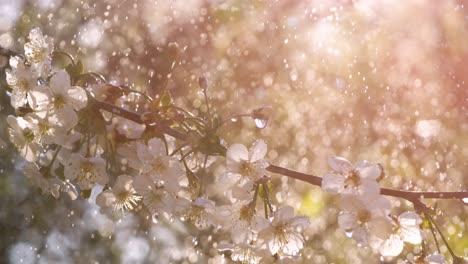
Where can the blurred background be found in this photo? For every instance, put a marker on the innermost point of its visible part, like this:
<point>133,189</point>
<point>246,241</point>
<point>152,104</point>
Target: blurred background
<point>381,80</point>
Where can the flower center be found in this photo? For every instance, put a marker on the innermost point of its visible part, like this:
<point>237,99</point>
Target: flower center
<point>28,135</point>
<point>363,216</point>
<point>59,102</point>
<point>352,180</point>
<point>246,213</point>
<point>247,169</point>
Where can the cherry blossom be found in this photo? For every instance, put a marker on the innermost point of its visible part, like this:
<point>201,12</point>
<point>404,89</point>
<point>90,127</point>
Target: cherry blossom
<point>38,52</point>
<point>21,81</point>
<point>358,212</point>
<point>392,233</point>
<point>156,164</point>
<point>59,101</point>
<point>122,196</point>
<point>22,134</point>
<point>248,164</point>
<point>346,178</point>
<point>86,171</point>
<point>283,233</point>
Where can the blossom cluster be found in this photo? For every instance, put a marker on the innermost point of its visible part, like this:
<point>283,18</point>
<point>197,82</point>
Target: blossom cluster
<point>72,147</point>
<point>365,214</point>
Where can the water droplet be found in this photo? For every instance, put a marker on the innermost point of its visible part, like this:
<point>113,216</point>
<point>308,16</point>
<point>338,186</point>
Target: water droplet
<point>261,116</point>
<point>154,218</point>
<point>261,123</point>
<point>349,233</point>
<point>234,119</point>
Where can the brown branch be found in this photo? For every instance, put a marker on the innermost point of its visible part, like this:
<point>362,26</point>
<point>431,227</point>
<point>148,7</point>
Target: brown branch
<point>408,195</point>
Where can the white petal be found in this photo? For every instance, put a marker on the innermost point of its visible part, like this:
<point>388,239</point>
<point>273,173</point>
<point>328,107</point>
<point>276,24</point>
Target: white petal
<point>236,153</point>
<point>257,151</point>
<point>369,171</point>
<point>157,148</point>
<point>40,98</point>
<point>60,82</point>
<point>381,227</point>
<point>360,235</point>
<point>340,164</point>
<point>352,203</point>
<point>283,213</point>
<point>410,219</point>
<point>391,247</point>
<point>411,234</point>
<point>106,199</point>
<point>333,182</point>
<point>77,97</point>
<point>347,221</point>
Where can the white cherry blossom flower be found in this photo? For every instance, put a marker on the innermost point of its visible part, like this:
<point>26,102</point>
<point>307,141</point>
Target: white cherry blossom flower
<point>21,81</point>
<point>358,212</point>
<point>243,252</point>
<point>86,171</point>
<point>22,135</point>
<point>201,213</point>
<point>122,196</point>
<point>346,178</point>
<point>157,198</point>
<point>157,165</point>
<point>393,232</point>
<point>283,233</point>
<point>38,52</point>
<point>239,218</point>
<point>59,102</point>
<point>248,164</point>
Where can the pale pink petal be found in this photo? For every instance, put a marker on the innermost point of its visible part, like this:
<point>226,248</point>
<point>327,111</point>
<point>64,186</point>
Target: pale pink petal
<point>60,82</point>
<point>340,164</point>
<point>333,182</point>
<point>410,219</point>
<point>369,171</point>
<point>236,153</point>
<point>257,151</point>
<point>391,247</point>
<point>347,221</point>
<point>411,234</point>
<point>77,97</point>
<point>157,147</point>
